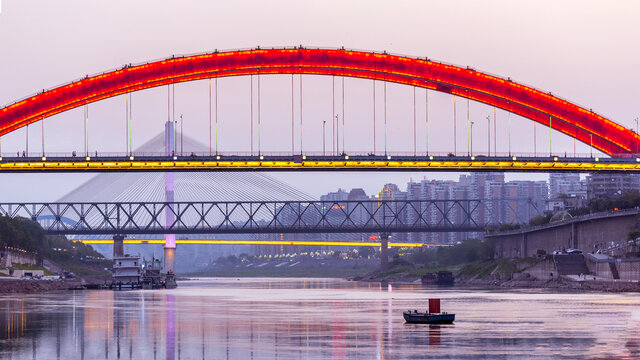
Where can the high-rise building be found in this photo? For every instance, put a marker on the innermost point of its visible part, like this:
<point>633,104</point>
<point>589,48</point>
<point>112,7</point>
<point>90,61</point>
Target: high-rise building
<point>339,195</point>
<point>564,183</point>
<point>611,185</point>
<point>414,191</point>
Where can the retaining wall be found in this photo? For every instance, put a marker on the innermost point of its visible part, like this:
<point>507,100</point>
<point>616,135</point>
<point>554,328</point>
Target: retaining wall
<point>588,234</point>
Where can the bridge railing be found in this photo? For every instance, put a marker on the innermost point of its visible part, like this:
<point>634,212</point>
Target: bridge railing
<point>80,155</point>
<point>362,216</point>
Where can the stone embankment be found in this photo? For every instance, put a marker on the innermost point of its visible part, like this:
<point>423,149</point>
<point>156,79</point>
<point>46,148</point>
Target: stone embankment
<point>561,273</point>
<point>551,274</point>
<point>562,283</point>
<point>8,286</point>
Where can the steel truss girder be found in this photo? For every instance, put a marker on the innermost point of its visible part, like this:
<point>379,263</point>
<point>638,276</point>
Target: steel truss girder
<point>243,217</point>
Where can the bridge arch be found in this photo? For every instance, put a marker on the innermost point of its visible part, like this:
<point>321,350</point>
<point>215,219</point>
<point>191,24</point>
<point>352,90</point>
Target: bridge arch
<point>564,116</point>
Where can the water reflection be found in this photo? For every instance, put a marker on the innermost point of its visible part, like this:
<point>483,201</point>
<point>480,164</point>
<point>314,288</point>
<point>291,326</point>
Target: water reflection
<point>290,318</point>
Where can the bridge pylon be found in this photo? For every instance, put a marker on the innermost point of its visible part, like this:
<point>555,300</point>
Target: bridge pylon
<point>170,239</point>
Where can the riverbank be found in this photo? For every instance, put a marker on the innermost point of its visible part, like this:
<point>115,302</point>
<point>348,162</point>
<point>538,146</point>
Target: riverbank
<point>12,286</point>
<point>504,274</point>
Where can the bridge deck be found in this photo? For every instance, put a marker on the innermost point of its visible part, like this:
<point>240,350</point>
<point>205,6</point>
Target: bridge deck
<point>317,163</point>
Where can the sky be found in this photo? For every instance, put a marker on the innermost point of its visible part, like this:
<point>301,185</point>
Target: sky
<point>583,51</point>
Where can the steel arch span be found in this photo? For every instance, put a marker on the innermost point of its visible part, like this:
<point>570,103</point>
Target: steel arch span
<point>566,117</point>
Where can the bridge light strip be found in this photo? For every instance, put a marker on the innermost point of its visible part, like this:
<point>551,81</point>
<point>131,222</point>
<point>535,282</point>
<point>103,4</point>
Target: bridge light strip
<point>512,164</point>
<point>261,242</point>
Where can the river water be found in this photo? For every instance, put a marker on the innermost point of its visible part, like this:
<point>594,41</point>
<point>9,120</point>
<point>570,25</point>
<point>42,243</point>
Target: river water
<point>315,319</point>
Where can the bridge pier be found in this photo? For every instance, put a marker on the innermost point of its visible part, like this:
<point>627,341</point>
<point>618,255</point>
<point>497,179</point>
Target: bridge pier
<point>169,260</point>
<point>118,246</point>
<point>384,252</point>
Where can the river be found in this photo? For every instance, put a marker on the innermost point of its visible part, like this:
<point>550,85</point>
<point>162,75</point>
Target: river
<point>315,319</point>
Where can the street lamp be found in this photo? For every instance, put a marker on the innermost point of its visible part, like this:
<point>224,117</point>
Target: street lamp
<point>324,123</point>
<point>489,136</point>
<point>471,133</point>
<point>181,133</point>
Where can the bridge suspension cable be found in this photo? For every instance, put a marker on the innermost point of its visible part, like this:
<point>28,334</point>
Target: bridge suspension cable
<point>251,116</point>
<point>535,152</point>
<point>130,123</point>
<point>426,118</point>
<point>509,127</point>
<point>344,150</point>
<point>300,114</point>
<point>550,132</point>
<point>374,116</point>
<point>468,127</point>
<point>292,119</point>
<point>43,153</point>
<point>86,130</point>
<point>259,123</point>
<point>173,117</point>
<point>495,133</point>
<point>455,120</point>
<point>126,122</point>
<point>216,85</point>
<point>385,118</point>
<point>210,125</point>
<point>415,148</point>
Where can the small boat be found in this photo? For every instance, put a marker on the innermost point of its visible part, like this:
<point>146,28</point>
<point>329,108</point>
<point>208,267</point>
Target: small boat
<point>430,279</point>
<point>439,278</point>
<point>445,278</point>
<point>416,317</point>
<point>432,316</point>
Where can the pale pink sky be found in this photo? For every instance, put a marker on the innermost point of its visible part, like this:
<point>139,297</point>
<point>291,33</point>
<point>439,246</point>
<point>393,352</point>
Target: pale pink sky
<point>584,51</point>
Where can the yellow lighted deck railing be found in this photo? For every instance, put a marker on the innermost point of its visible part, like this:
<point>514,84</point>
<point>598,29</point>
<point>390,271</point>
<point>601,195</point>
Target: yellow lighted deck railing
<point>585,165</point>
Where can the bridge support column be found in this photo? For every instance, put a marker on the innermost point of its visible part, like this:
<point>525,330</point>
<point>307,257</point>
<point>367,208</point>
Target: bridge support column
<point>524,249</point>
<point>169,260</point>
<point>384,251</point>
<point>118,246</point>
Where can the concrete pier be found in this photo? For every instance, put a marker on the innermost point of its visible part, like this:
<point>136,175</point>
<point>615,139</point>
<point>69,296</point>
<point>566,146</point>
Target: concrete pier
<point>118,246</point>
<point>169,260</point>
<point>384,251</point>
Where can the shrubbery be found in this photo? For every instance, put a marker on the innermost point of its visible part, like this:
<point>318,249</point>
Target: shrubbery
<point>28,235</point>
<point>625,201</point>
<point>468,251</point>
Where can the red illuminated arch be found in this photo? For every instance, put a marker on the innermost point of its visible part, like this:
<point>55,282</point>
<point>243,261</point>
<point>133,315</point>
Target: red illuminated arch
<point>573,120</point>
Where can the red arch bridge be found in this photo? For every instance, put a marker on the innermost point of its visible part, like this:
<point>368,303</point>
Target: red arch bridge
<point>612,146</point>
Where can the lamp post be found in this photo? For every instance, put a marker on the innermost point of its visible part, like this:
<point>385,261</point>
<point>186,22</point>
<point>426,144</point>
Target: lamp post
<point>181,133</point>
<point>489,135</point>
<point>471,135</point>
<point>324,123</point>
